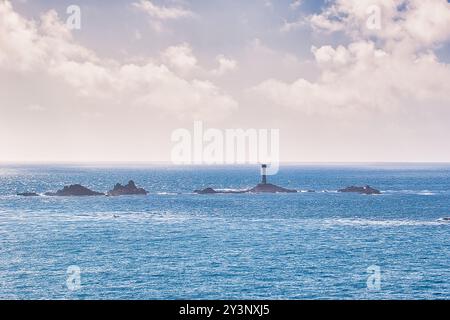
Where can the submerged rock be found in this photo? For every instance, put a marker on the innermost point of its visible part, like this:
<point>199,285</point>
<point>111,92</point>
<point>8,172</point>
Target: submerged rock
<point>75,190</point>
<point>129,189</point>
<point>28,194</point>
<point>362,190</point>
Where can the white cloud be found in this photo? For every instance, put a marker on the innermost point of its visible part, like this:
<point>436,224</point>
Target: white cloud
<point>381,95</point>
<point>323,23</point>
<point>48,48</point>
<point>423,23</point>
<point>296,4</point>
<point>289,26</point>
<point>225,65</point>
<point>362,79</point>
<point>300,22</point>
<point>398,73</point>
<point>162,12</point>
<point>180,57</point>
<point>25,45</point>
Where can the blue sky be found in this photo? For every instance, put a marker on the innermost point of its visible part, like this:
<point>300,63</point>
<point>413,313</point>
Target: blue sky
<point>336,88</point>
<point>218,25</point>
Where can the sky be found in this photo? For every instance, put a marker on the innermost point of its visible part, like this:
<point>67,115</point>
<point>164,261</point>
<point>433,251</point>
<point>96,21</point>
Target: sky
<point>342,80</point>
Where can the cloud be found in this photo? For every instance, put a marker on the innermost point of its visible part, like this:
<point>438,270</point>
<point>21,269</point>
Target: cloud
<point>182,60</point>
<point>296,4</point>
<point>161,12</point>
<point>225,65</point>
<point>25,45</point>
<point>289,26</point>
<point>383,94</point>
<point>423,23</point>
<point>180,57</point>
<point>300,22</point>
<point>394,73</point>
<point>46,47</point>
<point>362,79</point>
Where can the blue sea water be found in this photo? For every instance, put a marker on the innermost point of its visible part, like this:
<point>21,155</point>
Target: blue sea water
<point>173,244</point>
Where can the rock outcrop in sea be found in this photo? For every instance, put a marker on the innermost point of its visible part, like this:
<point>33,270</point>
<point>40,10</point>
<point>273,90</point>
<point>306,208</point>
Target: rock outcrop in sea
<point>75,190</point>
<point>362,190</point>
<point>28,194</point>
<point>207,191</point>
<point>129,189</point>
<point>262,187</point>
<point>269,188</point>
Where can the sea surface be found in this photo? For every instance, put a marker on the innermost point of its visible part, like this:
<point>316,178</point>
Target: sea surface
<point>174,244</point>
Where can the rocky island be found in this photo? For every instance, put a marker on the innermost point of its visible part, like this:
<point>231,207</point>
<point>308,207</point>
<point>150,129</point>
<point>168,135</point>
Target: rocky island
<point>209,191</point>
<point>129,189</point>
<point>362,190</point>
<point>75,190</point>
<point>270,188</point>
<point>262,187</point>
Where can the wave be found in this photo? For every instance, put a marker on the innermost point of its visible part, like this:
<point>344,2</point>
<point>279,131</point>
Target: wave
<point>416,192</point>
<point>301,191</point>
<point>379,223</point>
<point>163,216</point>
<point>232,190</point>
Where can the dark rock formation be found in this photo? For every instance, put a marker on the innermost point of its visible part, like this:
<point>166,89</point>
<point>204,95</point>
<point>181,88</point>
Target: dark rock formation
<point>75,190</point>
<point>213,191</point>
<point>206,191</point>
<point>260,188</point>
<point>362,190</point>
<point>129,189</point>
<point>28,194</point>
<point>270,188</point>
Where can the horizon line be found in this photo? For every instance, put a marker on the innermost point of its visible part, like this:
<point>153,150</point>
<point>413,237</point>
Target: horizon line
<point>169,163</point>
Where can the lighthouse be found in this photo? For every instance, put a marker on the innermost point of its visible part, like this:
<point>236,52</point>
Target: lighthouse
<point>264,174</point>
<point>262,187</point>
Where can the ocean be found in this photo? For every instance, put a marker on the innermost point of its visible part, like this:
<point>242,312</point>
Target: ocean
<point>174,244</point>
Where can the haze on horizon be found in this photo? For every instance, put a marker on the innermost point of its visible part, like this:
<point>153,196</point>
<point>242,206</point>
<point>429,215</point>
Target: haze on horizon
<point>137,70</point>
